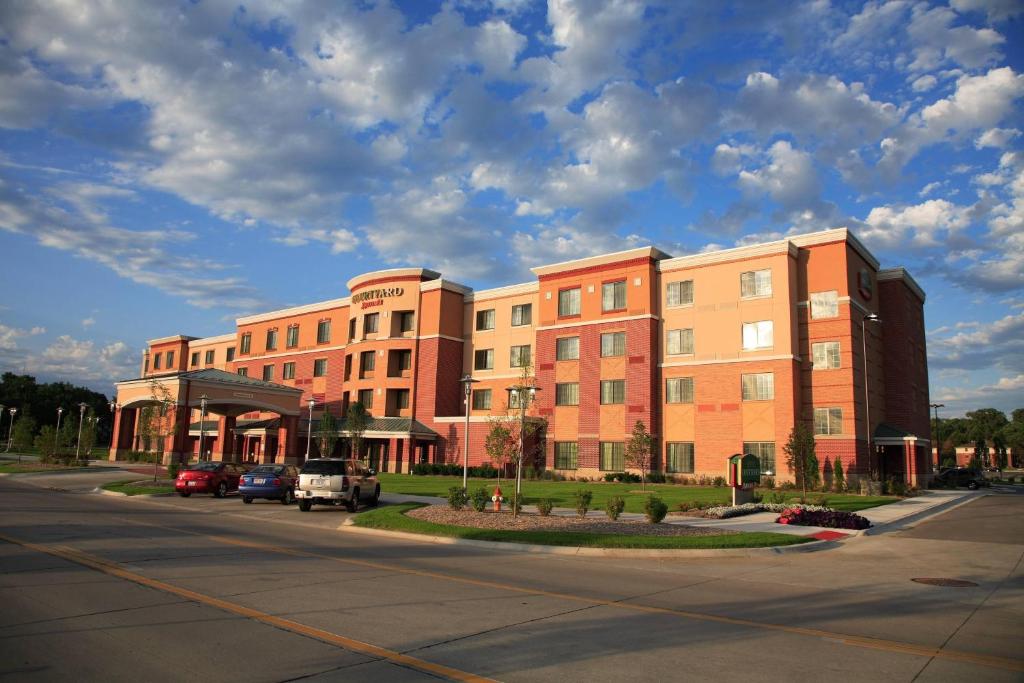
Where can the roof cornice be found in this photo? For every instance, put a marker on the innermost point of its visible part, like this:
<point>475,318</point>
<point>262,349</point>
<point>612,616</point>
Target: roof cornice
<point>294,310</point>
<point>900,273</point>
<point>652,253</point>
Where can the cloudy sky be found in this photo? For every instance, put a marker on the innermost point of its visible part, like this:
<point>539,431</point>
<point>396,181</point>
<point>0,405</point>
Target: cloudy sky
<point>166,167</point>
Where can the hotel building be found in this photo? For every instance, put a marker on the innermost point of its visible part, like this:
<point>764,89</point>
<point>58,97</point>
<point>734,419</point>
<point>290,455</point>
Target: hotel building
<point>716,353</point>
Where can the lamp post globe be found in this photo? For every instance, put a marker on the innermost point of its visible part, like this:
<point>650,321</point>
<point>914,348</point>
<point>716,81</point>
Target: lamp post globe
<point>10,429</point>
<point>309,428</point>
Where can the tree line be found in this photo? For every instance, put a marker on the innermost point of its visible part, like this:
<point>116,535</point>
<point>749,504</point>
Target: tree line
<point>982,429</point>
<point>35,421</point>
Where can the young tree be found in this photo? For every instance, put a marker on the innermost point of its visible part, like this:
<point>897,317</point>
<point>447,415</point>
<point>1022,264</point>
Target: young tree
<point>638,452</point>
<point>156,422</point>
<point>46,442</point>
<point>356,423</point>
<point>500,444</point>
<point>327,434</point>
<point>801,457</point>
<point>23,432</point>
<point>838,477</point>
<point>88,439</point>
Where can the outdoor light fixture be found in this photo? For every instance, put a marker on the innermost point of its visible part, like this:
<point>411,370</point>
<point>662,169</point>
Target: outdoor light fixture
<point>309,429</point>
<point>873,317</point>
<point>81,416</point>
<point>10,430</point>
<point>467,382</point>
<point>524,394</point>
<point>202,423</point>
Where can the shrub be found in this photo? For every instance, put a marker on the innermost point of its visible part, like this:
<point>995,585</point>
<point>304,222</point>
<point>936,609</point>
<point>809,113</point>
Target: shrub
<point>838,478</point>
<point>704,480</point>
<point>544,506</point>
<point>768,482</point>
<point>583,498</point>
<point>655,509</point>
<point>614,507</point>
<point>172,469</point>
<point>457,498</point>
<point>515,504</point>
<point>831,519</point>
<point>719,481</point>
<point>896,486</point>
<point>656,477</point>
<point>480,498</point>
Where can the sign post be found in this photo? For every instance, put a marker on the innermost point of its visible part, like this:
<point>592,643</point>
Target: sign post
<point>743,472</point>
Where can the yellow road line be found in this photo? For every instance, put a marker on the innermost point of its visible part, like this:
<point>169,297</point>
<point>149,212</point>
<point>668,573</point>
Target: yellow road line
<point>114,569</point>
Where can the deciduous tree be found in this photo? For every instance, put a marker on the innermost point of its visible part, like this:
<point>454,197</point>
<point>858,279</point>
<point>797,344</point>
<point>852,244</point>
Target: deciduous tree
<point>801,457</point>
<point>638,451</point>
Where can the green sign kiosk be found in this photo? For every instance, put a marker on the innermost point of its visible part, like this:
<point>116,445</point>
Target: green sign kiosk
<point>743,473</point>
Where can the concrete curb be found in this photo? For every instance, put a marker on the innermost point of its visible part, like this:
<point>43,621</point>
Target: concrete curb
<point>910,521</point>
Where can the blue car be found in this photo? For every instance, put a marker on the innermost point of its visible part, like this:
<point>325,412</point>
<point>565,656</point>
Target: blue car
<point>275,482</point>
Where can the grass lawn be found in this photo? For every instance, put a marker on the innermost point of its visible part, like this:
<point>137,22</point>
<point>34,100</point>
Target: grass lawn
<point>392,518</point>
<point>562,493</point>
<point>136,487</point>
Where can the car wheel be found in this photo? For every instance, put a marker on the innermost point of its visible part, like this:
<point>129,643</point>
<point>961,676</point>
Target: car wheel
<point>376,498</point>
<point>222,490</point>
<point>305,505</point>
<point>288,498</point>
<point>353,503</point>
<point>247,500</point>
<point>184,494</point>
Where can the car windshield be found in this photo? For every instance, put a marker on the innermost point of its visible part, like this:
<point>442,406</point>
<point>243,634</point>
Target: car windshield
<point>268,469</point>
<point>324,467</point>
<point>206,466</point>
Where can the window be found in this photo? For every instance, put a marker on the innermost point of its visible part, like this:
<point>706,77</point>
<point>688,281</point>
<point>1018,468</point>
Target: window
<point>485,319</point>
<point>758,335</point>
<point>170,360</point>
<point>483,359</point>
<point>569,302</point>
<point>756,283</point>
<point>826,355</point>
<point>613,344</point>
<point>320,367</point>
<point>404,357</point>
<point>824,304</point>
<point>613,296</point>
<point>246,342</point>
<point>613,391</point>
<point>679,390</point>
<point>209,357</point>
<point>292,340</point>
<point>482,399</point>
<point>405,321</point>
<point>367,361</point>
<point>288,371</point>
<point>195,359</point>
<point>351,329</point>
<point>679,341</point>
<point>765,452</point>
<point>520,356</point>
<point>567,455</point>
<point>828,421</point>
<point>679,457</point>
<point>271,340</point>
<point>366,398</point>
<point>243,372</point>
<point>758,387</point>
<point>348,367</point>
<point>680,293</point>
<point>567,394</point>
<point>156,360</point>
<point>567,348</point>
<point>370,323</point>
<point>522,314</point>
<point>231,353</point>
<point>268,373</point>
<point>146,365</point>
<point>613,456</point>
<point>323,332</point>
<point>401,399</point>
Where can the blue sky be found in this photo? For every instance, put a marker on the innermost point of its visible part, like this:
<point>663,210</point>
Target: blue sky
<point>166,167</point>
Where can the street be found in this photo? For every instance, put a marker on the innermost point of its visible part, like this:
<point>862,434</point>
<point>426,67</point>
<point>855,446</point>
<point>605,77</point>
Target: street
<point>101,588</point>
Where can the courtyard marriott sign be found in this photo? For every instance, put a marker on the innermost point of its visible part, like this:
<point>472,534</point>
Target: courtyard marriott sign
<point>375,297</point>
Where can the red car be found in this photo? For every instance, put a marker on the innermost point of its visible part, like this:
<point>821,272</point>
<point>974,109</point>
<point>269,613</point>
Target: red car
<point>217,478</point>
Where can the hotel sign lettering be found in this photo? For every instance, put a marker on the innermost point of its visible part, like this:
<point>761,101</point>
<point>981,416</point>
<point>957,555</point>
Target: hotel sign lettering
<point>375,297</point>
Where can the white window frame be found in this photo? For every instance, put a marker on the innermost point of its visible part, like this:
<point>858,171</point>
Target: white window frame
<point>613,392</point>
<point>687,454</point>
<point>828,421</point>
<point>613,296</point>
<point>519,356</point>
<point>756,283</point>
<point>562,342</point>
<point>525,314</point>
<point>485,320</point>
<point>758,386</point>
<point>679,293</point>
<point>567,394</point>
<point>826,355</point>
<point>571,304</point>
<point>680,389</point>
<point>679,342</point>
<point>759,334</point>
<point>824,305</point>
<point>617,340</point>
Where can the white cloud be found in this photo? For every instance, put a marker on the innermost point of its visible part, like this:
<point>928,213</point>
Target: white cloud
<point>997,137</point>
<point>88,322</point>
<point>995,10</point>
<point>937,41</point>
<point>924,83</point>
<point>926,224</point>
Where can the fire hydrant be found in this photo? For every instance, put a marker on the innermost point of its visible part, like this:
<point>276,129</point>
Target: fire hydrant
<point>497,498</point>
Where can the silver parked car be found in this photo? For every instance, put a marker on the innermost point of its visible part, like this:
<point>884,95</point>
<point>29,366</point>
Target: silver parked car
<point>333,481</point>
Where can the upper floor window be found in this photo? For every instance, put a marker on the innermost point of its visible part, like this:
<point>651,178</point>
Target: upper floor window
<point>268,373</point>
<point>367,361</point>
<point>679,390</point>
<point>405,321</point>
<point>243,372</point>
<point>679,342</point>
<point>567,348</point>
<point>401,399</point>
<point>567,394</point>
<point>366,398</point>
<point>828,420</point>
<point>569,302</point>
<point>288,371</point>
<point>246,343</point>
<point>293,337</point>
<point>351,329</point>
<point>231,353</point>
<point>522,314</point>
<point>209,357</point>
<point>483,359</point>
<point>195,359</point>
<point>824,304</point>
<point>679,293</point>
<point>758,386</point>
<point>320,367</point>
<point>371,321</point>
<point>170,360</point>
<point>485,319</point>
<point>520,356</point>
<point>756,283</point>
<point>826,355</point>
<point>613,296</point>
<point>758,335</point>
<point>613,344</point>
<point>157,358</point>
<point>323,332</point>
<point>482,399</point>
<point>272,339</point>
<point>613,391</point>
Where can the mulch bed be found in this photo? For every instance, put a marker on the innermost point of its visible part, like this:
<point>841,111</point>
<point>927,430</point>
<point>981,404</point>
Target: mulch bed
<point>442,514</point>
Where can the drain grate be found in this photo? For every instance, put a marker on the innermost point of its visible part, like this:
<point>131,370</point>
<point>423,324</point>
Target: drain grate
<point>948,583</point>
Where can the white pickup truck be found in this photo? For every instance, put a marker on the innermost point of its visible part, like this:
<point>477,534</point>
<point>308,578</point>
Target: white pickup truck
<point>333,481</point>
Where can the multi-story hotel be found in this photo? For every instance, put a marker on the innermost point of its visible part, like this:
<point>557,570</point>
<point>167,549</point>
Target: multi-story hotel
<point>717,354</point>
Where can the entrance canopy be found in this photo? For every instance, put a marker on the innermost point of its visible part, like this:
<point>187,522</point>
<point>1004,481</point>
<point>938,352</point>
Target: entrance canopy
<point>227,393</point>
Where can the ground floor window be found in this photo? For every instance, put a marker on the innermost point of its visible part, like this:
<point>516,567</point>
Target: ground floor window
<point>679,457</point>
<point>765,452</point>
<point>566,455</point>
<point>613,458</point>
<point>828,420</point>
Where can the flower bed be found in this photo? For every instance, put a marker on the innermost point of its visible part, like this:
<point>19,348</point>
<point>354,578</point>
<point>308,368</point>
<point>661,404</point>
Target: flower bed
<point>830,519</point>
<point>728,511</point>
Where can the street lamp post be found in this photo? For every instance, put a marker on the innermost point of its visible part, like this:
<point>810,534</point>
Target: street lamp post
<point>873,317</point>
<point>309,429</point>
<point>202,424</point>
<point>113,422</point>
<point>935,433</point>
<point>524,393</point>
<point>2,408</point>
<point>467,383</point>
<point>81,416</point>
<point>10,430</point>
<point>56,437</point>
